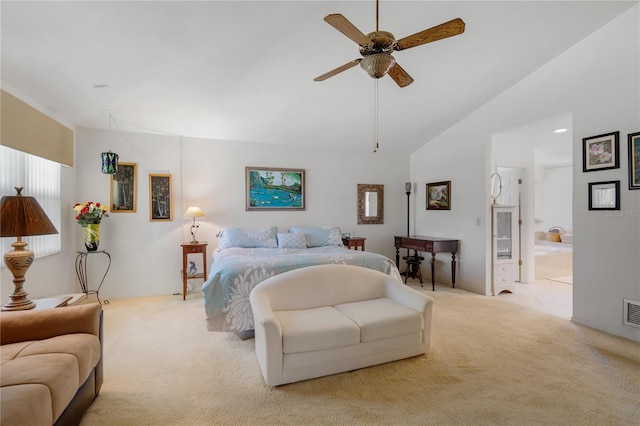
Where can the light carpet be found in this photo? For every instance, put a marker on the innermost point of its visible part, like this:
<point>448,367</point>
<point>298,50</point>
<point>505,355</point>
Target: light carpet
<point>491,363</point>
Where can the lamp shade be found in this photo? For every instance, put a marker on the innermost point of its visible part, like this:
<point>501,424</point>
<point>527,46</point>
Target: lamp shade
<point>22,216</point>
<point>407,187</point>
<point>378,64</point>
<point>109,162</point>
<point>194,212</point>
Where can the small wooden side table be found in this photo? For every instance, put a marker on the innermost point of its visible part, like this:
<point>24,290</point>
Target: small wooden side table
<point>188,248</point>
<point>354,242</point>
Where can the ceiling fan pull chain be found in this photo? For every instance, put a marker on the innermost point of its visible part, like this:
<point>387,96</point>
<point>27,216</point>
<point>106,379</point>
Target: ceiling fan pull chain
<point>375,116</point>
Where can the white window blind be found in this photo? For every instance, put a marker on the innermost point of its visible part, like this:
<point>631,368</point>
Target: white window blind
<point>40,178</point>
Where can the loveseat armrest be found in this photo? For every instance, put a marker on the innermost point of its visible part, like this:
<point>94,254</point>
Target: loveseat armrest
<point>20,326</point>
<point>414,299</point>
<point>407,296</point>
<point>268,337</point>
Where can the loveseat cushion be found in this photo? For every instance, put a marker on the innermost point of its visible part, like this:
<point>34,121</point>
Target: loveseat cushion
<point>316,329</point>
<point>18,406</point>
<point>382,318</point>
<point>61,364</point>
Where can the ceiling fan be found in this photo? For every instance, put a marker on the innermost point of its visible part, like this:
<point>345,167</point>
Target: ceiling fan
<point>376,47</point>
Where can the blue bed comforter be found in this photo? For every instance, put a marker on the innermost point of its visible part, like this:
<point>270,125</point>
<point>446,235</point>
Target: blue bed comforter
<point>236,271</point>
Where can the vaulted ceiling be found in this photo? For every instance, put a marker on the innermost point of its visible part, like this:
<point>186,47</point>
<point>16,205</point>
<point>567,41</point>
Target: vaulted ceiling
<point>243,71</point>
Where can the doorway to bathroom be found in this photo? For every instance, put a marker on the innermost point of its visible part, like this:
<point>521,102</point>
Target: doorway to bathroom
<point>535,163</point>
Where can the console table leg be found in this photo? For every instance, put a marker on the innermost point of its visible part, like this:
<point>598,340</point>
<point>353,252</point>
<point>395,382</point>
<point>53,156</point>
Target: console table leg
<point>433,271</point>
<point>453,269</point>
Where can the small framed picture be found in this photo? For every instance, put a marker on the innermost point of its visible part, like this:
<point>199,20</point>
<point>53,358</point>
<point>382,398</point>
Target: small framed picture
<point>601,152</point>
<point>123,189</point>
<point>604,195</point>
<point>439,195</point>
<point>634,160</point>
<point>160,200</point>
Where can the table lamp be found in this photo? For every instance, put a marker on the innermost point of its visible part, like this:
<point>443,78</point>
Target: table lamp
<point>193,212</point>
<point>21,217</point>
<point>407,188</point>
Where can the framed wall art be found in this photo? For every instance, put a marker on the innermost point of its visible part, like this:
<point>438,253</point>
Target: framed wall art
<point>160,198</point>
<point>123,189</point>
<point>604,195</point>
<point>634,160</point>
<point>439,195</point>
<point>601,152</point>
<point>274,188</point>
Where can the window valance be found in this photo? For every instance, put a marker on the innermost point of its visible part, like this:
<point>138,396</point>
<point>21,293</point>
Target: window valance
<point>28,130</point>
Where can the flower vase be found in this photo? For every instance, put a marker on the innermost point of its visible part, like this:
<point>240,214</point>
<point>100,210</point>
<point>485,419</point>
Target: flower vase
<point>92,236</point>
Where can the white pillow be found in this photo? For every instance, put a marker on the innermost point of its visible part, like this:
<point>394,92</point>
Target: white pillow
<point>264,236</point>
<point>319,236</point>
<point>293,241</point>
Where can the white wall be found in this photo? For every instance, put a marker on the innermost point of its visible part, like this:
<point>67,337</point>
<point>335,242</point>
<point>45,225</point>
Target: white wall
<point>597,81</point>
<point>556,196</point>
<point>607,245</point>
<point>211,174</point>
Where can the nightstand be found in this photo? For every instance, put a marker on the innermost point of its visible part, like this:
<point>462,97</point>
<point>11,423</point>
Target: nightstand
<point>187,249</point>
<point>354,242</point>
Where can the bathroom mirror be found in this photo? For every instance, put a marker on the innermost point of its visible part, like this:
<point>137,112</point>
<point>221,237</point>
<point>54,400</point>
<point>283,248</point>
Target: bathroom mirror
<point>370,204</point>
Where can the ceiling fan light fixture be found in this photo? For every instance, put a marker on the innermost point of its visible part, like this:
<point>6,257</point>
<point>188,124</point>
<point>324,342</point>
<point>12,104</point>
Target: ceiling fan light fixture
<point>378,64</point>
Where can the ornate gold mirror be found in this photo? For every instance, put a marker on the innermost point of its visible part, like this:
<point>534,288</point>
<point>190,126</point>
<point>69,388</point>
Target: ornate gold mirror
<point>370,204</point>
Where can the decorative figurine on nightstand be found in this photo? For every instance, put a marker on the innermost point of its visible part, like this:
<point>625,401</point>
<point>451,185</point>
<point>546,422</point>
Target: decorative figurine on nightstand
<point>193,270</point>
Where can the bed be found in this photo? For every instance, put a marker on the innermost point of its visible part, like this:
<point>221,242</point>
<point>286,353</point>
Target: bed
<point>238,268</point>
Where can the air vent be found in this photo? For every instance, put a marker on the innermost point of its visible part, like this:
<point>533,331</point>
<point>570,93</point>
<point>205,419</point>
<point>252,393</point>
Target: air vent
<point>631,313</point>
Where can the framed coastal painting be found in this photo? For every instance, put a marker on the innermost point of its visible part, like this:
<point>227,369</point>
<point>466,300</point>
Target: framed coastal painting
<point>270,188</point>
<point>160,198</point>
<point>123,189</point>
<point>439,195</point>
<point>634,160</point>
<point>601,152</point>
<point>604,195</point>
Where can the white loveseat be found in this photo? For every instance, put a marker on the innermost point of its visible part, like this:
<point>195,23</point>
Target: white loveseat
<point>327,319</point>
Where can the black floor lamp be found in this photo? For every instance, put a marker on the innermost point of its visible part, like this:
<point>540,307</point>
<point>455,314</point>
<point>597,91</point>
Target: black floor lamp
<point>407,188</point>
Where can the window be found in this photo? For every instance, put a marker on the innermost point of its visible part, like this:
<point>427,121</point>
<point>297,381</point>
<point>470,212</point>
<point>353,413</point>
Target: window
<point>40,179</point>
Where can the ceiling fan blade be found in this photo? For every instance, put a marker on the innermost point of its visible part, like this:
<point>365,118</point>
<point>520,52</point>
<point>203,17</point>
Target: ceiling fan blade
<point>448,29</point>
<point>399,75</point>
<point>343,25</point>
<point>338,70</point>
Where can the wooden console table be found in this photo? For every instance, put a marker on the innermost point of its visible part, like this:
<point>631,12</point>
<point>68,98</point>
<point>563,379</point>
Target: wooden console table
<point>431,245</point>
